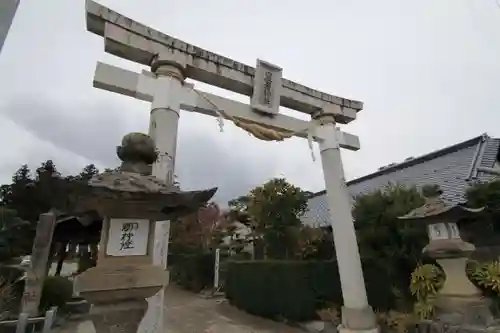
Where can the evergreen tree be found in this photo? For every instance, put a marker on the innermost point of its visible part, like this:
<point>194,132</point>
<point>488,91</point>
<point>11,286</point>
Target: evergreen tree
<point>273,211</point>
<point>88,172</point>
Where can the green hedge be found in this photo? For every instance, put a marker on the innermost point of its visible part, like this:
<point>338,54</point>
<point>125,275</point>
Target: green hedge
<point>194,272</point>
<point>295,290</point>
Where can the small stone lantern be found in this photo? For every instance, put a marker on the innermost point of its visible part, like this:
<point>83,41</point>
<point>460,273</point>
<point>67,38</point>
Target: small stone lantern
<point>458,296</point>
<point>129,201</point>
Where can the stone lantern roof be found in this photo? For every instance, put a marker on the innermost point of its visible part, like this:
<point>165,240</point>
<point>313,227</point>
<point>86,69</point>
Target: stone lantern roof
<point>436,210</point>
<point>131,192</point>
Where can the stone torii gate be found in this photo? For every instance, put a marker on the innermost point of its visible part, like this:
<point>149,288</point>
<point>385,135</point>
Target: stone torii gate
<point>172,61</point>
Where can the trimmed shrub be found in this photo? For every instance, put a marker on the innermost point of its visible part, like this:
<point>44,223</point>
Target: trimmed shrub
<point>57,291</point>
<point>274,289</point>
<point>194,272</point>
<point>296,290</point>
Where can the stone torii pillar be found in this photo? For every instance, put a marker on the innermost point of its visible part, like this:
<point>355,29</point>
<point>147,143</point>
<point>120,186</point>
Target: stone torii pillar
<point>357,315</point>
<point>8,10</point>
<point>165,110</point>
<point>172,60</point>
<point>164,122</point>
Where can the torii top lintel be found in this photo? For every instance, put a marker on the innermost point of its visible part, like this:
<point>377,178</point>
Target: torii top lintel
<point>136,42</point>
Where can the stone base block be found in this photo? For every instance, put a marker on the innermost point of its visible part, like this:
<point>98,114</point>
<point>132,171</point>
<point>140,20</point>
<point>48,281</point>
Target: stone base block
<point>428,326</point>
<point>79,306</point>
<point>359,320</point>
<point>342,329</point>
<point>104,284</point>
<point>455,310</point>
<point>319,326</point>
<point>122,317</point>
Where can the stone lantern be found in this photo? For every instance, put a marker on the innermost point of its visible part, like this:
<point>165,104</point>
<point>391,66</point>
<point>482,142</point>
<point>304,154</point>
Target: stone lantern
<point>458,301</point>
<point>129,201</point>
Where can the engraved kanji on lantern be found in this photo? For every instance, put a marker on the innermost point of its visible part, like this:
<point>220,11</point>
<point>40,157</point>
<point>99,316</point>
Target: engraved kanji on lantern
<point>127,237</point>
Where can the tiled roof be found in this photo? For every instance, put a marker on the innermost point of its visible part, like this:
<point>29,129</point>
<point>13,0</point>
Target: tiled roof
<point>452,168</point>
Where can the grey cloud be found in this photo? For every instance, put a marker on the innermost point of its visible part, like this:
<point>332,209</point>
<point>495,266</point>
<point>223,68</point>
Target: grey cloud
<point>92,131</point>
<point>202,163</point>
<point>6,171</point>
<point>425,84</point>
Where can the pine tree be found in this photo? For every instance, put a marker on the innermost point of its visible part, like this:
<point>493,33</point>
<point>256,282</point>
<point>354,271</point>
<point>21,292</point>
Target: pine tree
<point>88,172</point>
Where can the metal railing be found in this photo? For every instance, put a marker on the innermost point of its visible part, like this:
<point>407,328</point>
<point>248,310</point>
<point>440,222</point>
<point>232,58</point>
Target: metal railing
<point>25,324</point>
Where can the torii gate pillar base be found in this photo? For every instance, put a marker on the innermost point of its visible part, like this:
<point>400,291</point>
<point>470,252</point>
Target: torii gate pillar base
<point>357,314</point>
<point>358,320</point>
<point>342,329</point>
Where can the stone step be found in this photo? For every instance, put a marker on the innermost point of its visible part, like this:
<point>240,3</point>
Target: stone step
<point>78,306</point>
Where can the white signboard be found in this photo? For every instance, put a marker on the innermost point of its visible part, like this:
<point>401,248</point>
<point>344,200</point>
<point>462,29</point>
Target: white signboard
<point>266,88</point>
<point>128,237</point>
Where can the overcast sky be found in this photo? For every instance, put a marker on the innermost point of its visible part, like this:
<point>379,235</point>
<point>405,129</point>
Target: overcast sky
<point>427,71</point>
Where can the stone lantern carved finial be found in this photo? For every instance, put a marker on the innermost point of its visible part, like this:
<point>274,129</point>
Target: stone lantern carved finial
<point>137,152</point>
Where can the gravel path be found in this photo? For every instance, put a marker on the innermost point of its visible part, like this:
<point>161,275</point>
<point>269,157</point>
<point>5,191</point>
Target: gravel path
<point>186,312</point>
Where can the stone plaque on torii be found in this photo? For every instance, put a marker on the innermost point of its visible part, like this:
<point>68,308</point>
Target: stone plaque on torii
<point>171,61</point>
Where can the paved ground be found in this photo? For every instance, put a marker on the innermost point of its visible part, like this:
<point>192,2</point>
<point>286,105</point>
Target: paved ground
<point>209,315</point>
<point>188,313</point>
<point>67,268</point>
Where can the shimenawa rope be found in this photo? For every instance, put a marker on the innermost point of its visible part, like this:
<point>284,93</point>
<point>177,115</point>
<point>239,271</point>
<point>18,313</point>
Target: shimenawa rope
<point>259,131</point>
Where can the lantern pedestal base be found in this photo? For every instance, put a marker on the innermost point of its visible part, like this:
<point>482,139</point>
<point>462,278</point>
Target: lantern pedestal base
<point>118,294</point>
<point>342,329</point>
<point>459,301</point>
<point>457,284</point>
<point>474,311</point>
<point>106,284</point>
<point>123,317</point>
